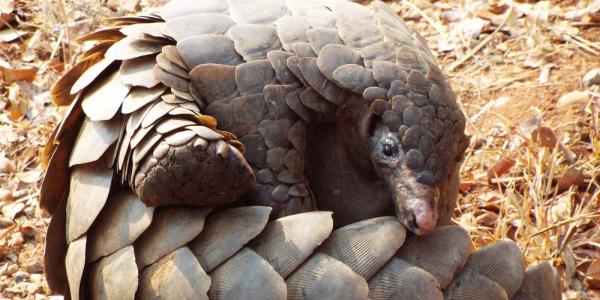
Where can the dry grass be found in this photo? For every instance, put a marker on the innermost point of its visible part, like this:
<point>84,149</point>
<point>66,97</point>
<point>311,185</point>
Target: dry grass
<point>509,63</point>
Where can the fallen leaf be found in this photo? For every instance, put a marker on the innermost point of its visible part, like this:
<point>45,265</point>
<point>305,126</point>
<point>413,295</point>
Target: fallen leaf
<point>9,35</point>
<point>595,16</point>
<point>7,6</point>
<point>30,176</point>
<point>6,165</point>
<point>490,200</point>
<point>592,276</point>
<point>487,219</point>
<point>465,186</point>
<point>452,16</point>
<point>545,73</point>
<point>498,8</point>
<point>471,28</point>
<point>11,210</point>
<point>9,75</point>
<point>570,264</point>
<point>574,98</point>
<point>572,177</point>
<point>6,196</point>
<point>124,5</point>
<point>500,168</point>
<point>56,66</point>
<point>545,137</point>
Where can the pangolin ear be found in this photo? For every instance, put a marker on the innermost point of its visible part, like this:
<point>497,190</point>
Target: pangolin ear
<point>367,124</point>
<point>379,106</point>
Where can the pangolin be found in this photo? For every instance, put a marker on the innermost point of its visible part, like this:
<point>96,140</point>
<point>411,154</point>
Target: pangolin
<point>264,149</point>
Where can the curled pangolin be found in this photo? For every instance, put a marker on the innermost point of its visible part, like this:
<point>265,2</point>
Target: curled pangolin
<point>207,144</point>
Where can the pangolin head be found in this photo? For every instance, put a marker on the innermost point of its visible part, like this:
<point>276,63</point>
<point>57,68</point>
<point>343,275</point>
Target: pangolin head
<point>416,141</point>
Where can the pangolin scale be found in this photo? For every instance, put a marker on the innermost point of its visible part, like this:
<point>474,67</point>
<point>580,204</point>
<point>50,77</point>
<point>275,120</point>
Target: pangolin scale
<point>208,142</point>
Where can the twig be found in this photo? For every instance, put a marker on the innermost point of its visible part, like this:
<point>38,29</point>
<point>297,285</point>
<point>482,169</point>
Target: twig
<point>458,63</point>
<point>565,222</point>
<point>429,20</point>
<point>585,24</point>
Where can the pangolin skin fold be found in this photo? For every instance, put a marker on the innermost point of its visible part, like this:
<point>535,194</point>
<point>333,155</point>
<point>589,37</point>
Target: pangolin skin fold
<point>178,171</point>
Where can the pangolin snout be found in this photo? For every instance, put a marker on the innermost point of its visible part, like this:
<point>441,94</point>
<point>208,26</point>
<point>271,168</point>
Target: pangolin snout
<point>422,217</point>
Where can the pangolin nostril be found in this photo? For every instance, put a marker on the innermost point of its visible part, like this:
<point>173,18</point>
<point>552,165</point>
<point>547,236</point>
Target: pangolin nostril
<point>413,221</point>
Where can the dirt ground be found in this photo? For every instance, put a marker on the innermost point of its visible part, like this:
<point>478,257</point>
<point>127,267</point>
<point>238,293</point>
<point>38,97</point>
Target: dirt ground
<point>518,70</point>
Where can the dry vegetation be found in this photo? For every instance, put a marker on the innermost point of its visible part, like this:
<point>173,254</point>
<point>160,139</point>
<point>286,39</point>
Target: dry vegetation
<point>518,68</point>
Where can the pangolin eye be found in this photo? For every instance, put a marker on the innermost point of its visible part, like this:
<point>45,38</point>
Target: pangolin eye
<point>389,147</point>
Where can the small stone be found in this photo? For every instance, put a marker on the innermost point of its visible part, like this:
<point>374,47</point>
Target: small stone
<point>574,98</point>
<point>10,269</point>
<point>34,267</point>
<point>592,77</point>
<point>20,276</point>
<point>37,278</point>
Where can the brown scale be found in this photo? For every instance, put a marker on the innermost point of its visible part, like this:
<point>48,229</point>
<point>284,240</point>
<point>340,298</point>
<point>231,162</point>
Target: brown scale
<point>178,117</point>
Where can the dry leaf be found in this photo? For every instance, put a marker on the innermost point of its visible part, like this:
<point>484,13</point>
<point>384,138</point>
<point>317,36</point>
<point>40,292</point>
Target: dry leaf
<point>545,73</point>
<point>545,137</point>
<point>6,165</point>
<point>7,6</point>
<point>9,75</point>
<point>595,16</point>
<point>487,218</point>
<point>572,177</point>
<point>498,8</point>
<point>592,276</point>
<point>452,16</point>
<point>9,35</point>
<point>500,168</point>
<point>30,176</point>
<point>56,66</point>
<point>6,196</point>
<point>124,5</point>
<point>574,98</point>
<point>465,186</point>
<point>490,200</point>
<point>11,210</point>
<point>569,260</point>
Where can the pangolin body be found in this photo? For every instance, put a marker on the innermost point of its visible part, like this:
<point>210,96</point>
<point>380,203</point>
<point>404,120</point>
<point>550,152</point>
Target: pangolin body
<point>191,127</point>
